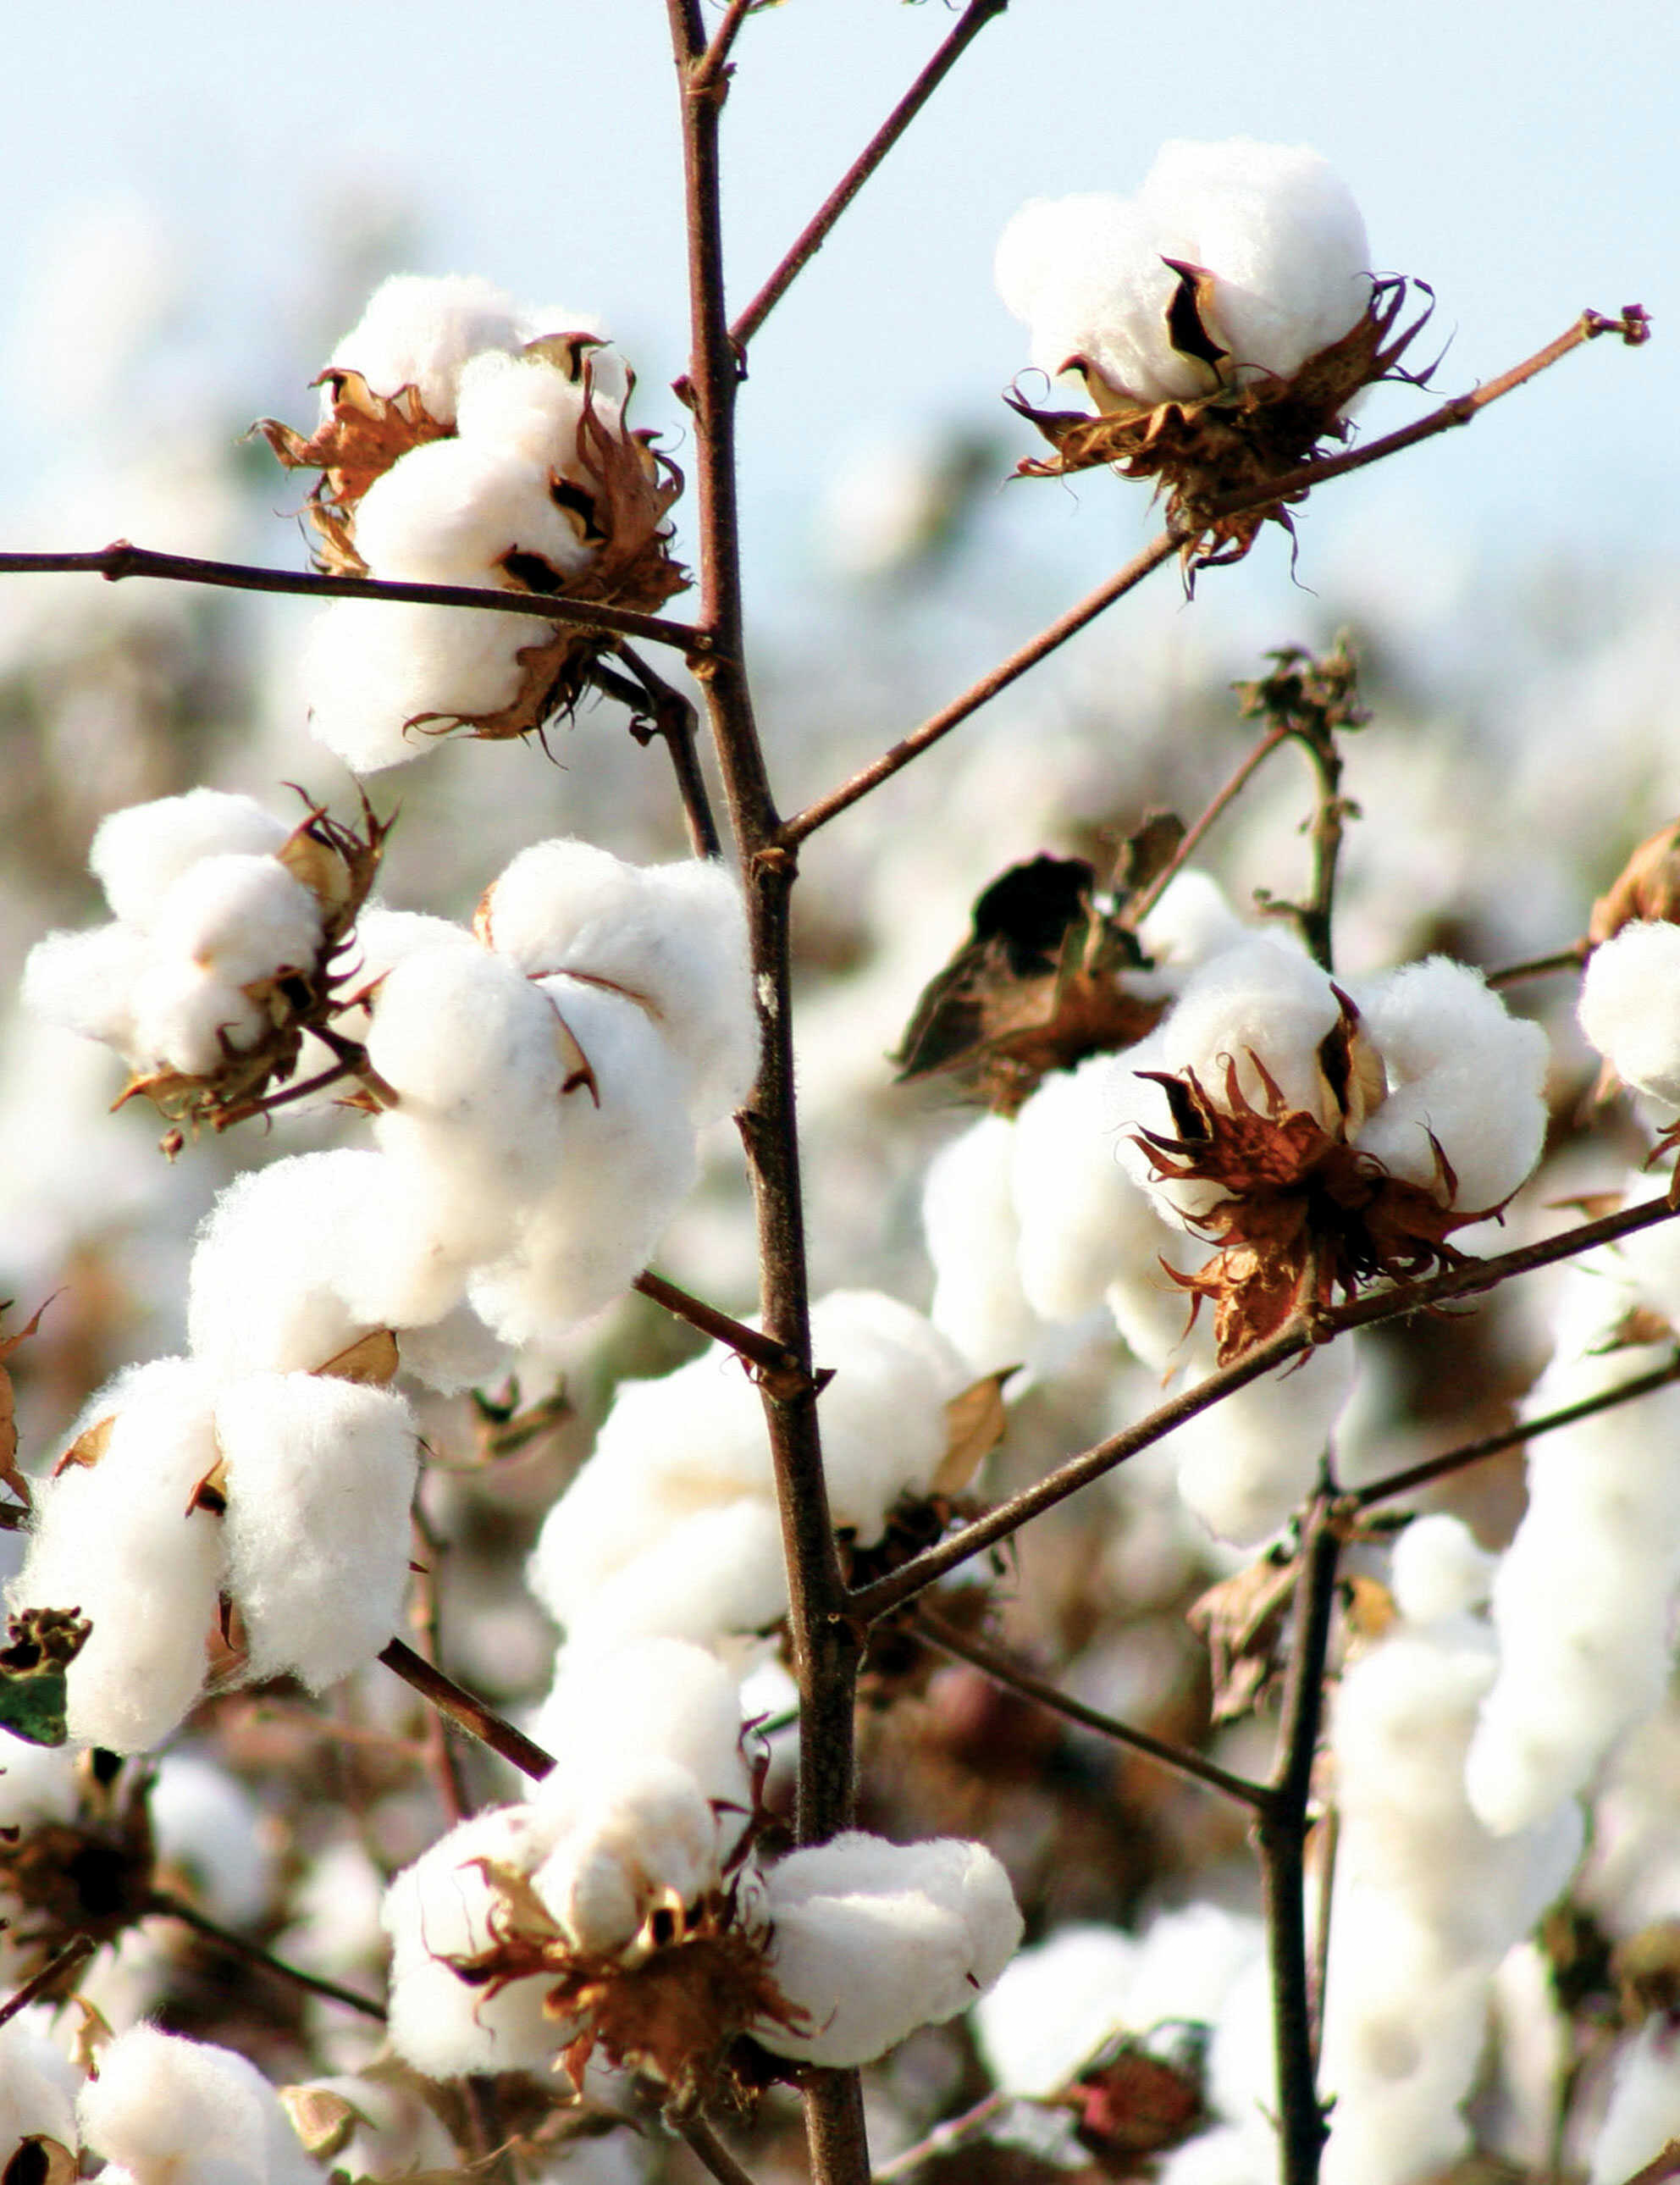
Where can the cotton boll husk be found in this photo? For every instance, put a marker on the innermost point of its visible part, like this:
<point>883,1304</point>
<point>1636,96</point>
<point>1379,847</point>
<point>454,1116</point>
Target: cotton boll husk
<point>674,934</point>
<point>1460,1069</point>
<point>206,1822</point>
<point>1438,1570</point>
<point>676,1701</point>
<point>1083,1223</point>
<point>439,1908</point>
<point>450,511</point>
<point>187,1018</point>
<point>242,916</point>
<point>37,2084</point>
<point>716,1571</point>
<point>140,854</point>
<point>320,1475</point>
<point>618,1172</point>
<point>631,1833</point>
<point>1644,2103</point>
<point>115,1540</point>
<point>874,1939</point>
<point>1279,228</point>
<point>171,2111</point>
<point>1258,999</point>
<point>419,330</point>
<point>1246,1464</point>
<point>1052,2007</point>
<point>85,983</point>
<point>973,1235</point>
<point>1630,1006</point>
<point>369,668</point>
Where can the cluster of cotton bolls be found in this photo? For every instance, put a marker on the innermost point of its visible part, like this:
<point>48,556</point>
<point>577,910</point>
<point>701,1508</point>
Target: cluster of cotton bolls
<point>1630,1010</point>
<point>1270,234</point>
<point>215,901</point>
<point>1427,1900</point>
<point>570,1921</point>
<point>672,1525</point>
<point>465,441</point>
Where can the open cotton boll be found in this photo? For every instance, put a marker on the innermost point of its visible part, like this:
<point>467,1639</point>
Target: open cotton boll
<point>85,983</point>
<point>1084,1222</point>
<point>1053,2007</point>
<point>419,330</point>
<point>883,1415</point>
<point>371,667</point>
<point>673,935</point>
<point>319,1474</point>
<point>451,512</point>
<point>1462,1072</point>
<point>38,2085</point>
<point>440,1908</point>
<point>1245,1465</point>
<point>973,1235</point>
<point>187,1018</point>
<point>207,1823</point>
<point>670,1701</point>
<point>242,916</point>
<point>1630,1007</point>
<point>117,1540</point>
<point>523,405</point>
<point>1191,922</point>
<point>139,854</point>
<point>631,1837</point>
<point>1438,1570</point>
<point>37,1783</point>
<point>169,2111</point>
<point>1644,2103</point>
<point>873,1939</point>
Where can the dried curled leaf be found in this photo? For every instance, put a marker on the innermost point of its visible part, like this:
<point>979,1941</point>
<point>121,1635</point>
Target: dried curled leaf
<point>974,1424</point>
<point>324,2121</point>
<point>1241,1620</point>
<point>41,1643</point>
<point>1038,987</point>
<point>371,1361</point>
<point>1648,887</point>
<point>10,1476</point>
<point>1234,439</point>
<point>40,2159</point>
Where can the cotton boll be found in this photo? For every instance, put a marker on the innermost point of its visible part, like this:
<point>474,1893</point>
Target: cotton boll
<point>117,1540</point>
<point>716,1571</point>
<point>1192,923</point>
<point>452,1353</point>
<point>1461,1071</point>
<point>206,1821</point>
<point>520,406</point>
<point>631,1836</point>
<point>37,1783</point>
<point>873,1939</point>
<point>1083,1223</point>
<point>1053,2007</point>
<point>674,936</point>
<point>85,983</point>
<point>973,1235</point>
<point>188,1019</point>
<point>320,1475</point>
<point>1187,1961</point>
<point>38,2085</point>
<point>1644,2103</point>
<point>1630,1006</point>
<point>372,668</point>
<point>140,854</point>
<point>450,513</point>
<point>676,1702</point>
<point>883,1415</point>
<point>241,916</point>
<point>419,330</point>
<point>1438,1570</point>
<point>165,2109</point>
<point>1245,1465</point>
<point>440,1908</point>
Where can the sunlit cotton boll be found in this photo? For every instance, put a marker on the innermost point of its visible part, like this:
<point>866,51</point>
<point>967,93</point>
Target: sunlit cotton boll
<point>1630,1007</point>
<point>168,2111</point>
<point>139,854</point>
<point>1275,226</point>
<point>1084,1222</point>
<point>973,1234</point>
<point>681,1704</point>
<point>1644,2103</point>
<point>452,511</point>
<point>632,1836</point>
<point>242,916</point>
<point>873,1939</point>
<point>38,2085</point>
<point>419,330</point>
<point>1246,1464</point>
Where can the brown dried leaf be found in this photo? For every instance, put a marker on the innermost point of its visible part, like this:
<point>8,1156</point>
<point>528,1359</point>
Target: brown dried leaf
<point>1639,1325</point>
<point>40,2160</point>
<point>210,1493</point>
<point>1648,887</point>
<point>323,2120</point>
<point>371,1361</point>
<point>90,1445</point>
<point>1147,852</point>
<point>9,1474</point>
<point>1241,1620</point>
<point>974,1424</point>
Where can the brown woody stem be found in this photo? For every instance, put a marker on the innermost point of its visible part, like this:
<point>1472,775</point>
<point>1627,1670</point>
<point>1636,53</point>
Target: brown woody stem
<point>710,2151</point>
<point>470,1715</point>
<point>1140,906</point>
<point>46,1982</point>
<point>170,1907</point>
<point>1541,967</point>
<point>715,58</point>
<point>774,1366</point>
<point>658,710</point>
<point>120,559</point>
<point>949,1640</point>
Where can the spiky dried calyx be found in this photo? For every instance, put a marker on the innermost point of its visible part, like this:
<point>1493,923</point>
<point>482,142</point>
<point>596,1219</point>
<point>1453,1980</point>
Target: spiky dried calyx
<point>1647,887</point>
<point>1302,1216</point>
<point>92,1876</point>
<point>1245,432</point>
<point>363,435</point>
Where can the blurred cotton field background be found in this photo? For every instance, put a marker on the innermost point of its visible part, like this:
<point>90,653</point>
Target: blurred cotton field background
<point>197,212</point>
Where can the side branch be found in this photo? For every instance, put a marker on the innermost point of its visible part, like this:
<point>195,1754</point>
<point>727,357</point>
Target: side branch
<point>120,559</point>
<point>872,1601</point>
<point>468,1713</point>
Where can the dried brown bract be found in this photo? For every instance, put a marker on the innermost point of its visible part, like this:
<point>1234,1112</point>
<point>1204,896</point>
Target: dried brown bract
<point>1648,887</point>
<point>364,435</point>
<point>1238,436</point>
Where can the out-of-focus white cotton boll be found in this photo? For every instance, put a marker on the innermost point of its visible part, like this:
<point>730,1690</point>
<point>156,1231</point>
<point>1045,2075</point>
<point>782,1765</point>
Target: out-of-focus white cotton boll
<point>171,2111</point>
<point>370,668</point>
<point>1644,2103</point>
<point>242,916</point>
<point>188,1019</point>
<point>85,983</point>
<point>140,854</point>
<point>1225,2156</point>
<point>1192,922</point>
<point>37,1783</point>
<point>716,1571</point>
<point>883,1415</point>
<point>38,2085</point>
<point>319,1474</point>
<point>116,1539</point>
<point>440,1908</point>
<point>631,1836</point>
<point>1402,1717</point>
<point>1053,2008</point>
<point>873,1939</point>
<point>1084,1222</point>
<point>207,1823</point>
<point>674,936</point>
<point>973,1235</point>
<point>676,1703</point>
<point>451,512</point>
<point>394,2132</point>
<point>1461,1070</point>
<point>1187,1962</point>
<point>1246,1464</point>
<point>1438,1570</point>
<point>1630,1006</point>
<point>419,330</point>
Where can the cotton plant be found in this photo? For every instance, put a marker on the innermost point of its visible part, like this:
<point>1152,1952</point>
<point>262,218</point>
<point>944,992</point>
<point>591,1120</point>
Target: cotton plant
<point>467,440</point>
<point>1221,322</point>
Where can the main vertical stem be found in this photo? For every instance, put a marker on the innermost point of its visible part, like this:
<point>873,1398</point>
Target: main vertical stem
<point>826,1645</point>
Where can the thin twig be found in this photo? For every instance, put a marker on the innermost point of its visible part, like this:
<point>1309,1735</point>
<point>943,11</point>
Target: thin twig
<point>1003,1672</point>
<point>716,56</point>
<point>818,814</point>
<point>1280,1840</point>
<point>669,714</point>
<point>120,559</point>
<point>1328,1842</point>
<point>1314,917</point>
<point>972,21</point>
<point>1432,1469</point>
<point>1541,967</point>
<point>774,1366</point>
<point>1139,906</point>
<point>885,1593</point>
<point>473,1715</point>
<point>170,1907</point>
<point>711,2151</point>
<point>46,1982</point>
<point>427,1615</point>
<point>945,2138</point>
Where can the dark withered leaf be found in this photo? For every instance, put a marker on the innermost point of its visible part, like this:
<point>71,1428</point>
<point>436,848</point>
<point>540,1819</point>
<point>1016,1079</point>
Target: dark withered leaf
<point>1147,852</point>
